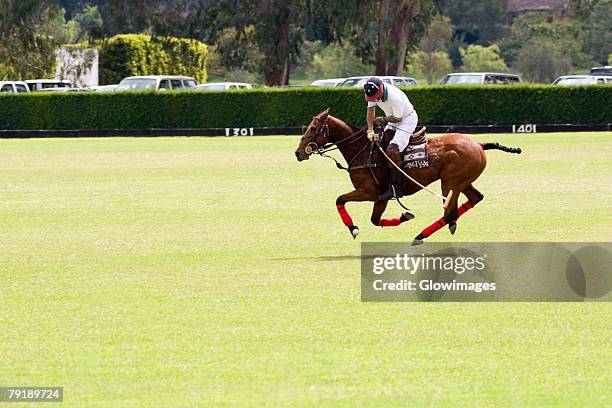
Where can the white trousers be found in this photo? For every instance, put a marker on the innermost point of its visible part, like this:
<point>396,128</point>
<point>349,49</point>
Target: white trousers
<point>403,130</point>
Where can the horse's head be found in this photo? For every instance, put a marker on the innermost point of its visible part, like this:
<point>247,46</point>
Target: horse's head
<point>315,137</point>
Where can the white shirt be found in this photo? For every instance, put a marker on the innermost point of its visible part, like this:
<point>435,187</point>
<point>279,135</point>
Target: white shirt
<point>396,104</point>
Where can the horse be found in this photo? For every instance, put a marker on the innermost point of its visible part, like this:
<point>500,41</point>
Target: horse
<point>454,158</point>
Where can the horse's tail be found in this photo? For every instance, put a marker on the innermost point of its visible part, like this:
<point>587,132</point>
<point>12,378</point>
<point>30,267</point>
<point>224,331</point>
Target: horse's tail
<point>490,146</point>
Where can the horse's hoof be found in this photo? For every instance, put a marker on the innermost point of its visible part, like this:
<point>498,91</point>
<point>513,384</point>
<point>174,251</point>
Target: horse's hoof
<point>354,231</point>
<point>417,242</point>
<point>452,227</point>
<point>406,216</point>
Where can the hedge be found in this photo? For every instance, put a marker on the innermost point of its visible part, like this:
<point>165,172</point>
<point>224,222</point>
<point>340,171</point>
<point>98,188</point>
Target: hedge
<point>135,54</point>
<point>295,107</point>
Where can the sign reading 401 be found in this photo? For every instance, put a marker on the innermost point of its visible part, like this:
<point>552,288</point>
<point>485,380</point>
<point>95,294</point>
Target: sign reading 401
<point>524,129</point>
<point>238,131</point>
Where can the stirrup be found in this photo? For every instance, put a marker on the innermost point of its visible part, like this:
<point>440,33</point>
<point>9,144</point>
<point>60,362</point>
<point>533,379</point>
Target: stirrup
<point>390,194</point>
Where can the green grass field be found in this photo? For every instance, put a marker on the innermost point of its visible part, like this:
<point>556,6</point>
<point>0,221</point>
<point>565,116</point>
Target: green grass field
<point>187,272</point>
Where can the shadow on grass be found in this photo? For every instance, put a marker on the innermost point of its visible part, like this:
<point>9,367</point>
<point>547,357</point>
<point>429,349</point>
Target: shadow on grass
<point>320,258</point>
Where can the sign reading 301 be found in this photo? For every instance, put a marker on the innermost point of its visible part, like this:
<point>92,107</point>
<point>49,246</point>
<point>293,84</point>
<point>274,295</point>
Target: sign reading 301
<point>238,131</point>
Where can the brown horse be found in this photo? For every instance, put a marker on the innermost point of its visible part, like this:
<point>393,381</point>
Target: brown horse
<point>455,159</point>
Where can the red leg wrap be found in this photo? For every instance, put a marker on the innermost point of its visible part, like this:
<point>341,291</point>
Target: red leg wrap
<point>390,222</point>
<point>346,218</point>
<point>464,207</point>
<point>441,222</point>
<point>433,228</point>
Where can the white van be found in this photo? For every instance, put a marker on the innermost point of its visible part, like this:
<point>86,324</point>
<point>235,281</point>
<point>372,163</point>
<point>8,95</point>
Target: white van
<point>582,80</point>
<point>223,86</point>
<point>394,80</point>
<point>37,85</point>
<point>328,82</point>
<point>481,78</point>
<point>157,83</point>
<point>14,87</point>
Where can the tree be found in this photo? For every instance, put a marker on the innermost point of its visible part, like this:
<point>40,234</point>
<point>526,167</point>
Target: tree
<point>240,75</point>
<point>564,34</point>
<point>479,58</point>
<point>542,61</point>
<point>278,35</point>
<point>479,21</point>
<point>431,64</point>
<point>387,30</point>
<point>337,61</point>
<point>438,35</point>
<point>326,21</point>
<point>281,27</point>
<point>90,23</point>
<point>30,32</point>
<point>238,49</point>
<point>596,28</point>
<point>432,58</point>
<point>71,6</point>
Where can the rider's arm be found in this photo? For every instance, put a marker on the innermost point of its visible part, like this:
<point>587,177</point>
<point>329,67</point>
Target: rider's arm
<point>383,120</point>
<point>391,119</point>
<point>371,115</point>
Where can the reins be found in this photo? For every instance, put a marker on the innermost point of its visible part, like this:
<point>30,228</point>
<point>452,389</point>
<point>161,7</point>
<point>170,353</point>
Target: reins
<point>331,146</point>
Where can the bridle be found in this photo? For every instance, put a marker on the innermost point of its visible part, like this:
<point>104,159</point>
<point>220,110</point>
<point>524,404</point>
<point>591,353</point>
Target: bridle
<point>313,147</point>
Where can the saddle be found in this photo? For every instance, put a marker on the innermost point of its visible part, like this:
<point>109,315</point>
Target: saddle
<point>415,154</point>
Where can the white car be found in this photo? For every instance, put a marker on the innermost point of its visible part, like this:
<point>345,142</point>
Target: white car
<point>223,86</point>
<point>14,87</point>
<point>481,78</point>
<point>606,70</point>
<point>328,82</point>
<point>102,88</point>
<point>55,90</point>
<point>157,83</point>
<point>582,80</point>
<point>37,85</point>
<point>394,80</point>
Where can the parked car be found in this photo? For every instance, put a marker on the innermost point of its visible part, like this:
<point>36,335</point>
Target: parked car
<point>102,88</point>
<point>14,87</point>
<point>394,80</point>
<point>328,82</point>
<point>37,85</point>
<point>481,78</point>
<point>293,86</point>
<point>607,70</point>
<point>55,90</point>
<point>223,86</point>
<point>157,83</point>
<point>582,80</point>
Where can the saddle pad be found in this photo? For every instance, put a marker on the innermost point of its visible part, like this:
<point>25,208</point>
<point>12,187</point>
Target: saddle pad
<point>415,155</point>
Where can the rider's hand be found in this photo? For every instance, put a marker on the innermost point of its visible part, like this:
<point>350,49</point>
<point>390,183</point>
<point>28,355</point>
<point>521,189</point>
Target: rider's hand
<point>380,121</point>
<point>373,136</point>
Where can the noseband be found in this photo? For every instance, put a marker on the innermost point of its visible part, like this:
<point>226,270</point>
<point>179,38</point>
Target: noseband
<point>313,147</point>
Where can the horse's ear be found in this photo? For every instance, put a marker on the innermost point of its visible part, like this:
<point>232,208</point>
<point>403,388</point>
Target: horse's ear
<point>323,115</point>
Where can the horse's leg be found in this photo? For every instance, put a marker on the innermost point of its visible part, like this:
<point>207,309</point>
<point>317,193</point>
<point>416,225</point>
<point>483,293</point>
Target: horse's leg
<point>450,215</point>
<point>379,209</point>
<point>356,195</point>
<point>474,197</point>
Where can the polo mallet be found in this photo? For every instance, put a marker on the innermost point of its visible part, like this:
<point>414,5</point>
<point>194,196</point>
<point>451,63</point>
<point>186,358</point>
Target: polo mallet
<point>445,200</point>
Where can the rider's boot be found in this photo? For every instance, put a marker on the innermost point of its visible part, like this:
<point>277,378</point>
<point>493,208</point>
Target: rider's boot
<point>395,187</point>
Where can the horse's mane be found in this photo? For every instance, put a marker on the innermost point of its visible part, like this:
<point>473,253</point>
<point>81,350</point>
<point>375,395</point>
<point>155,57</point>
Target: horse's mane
<point>353,127</point>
